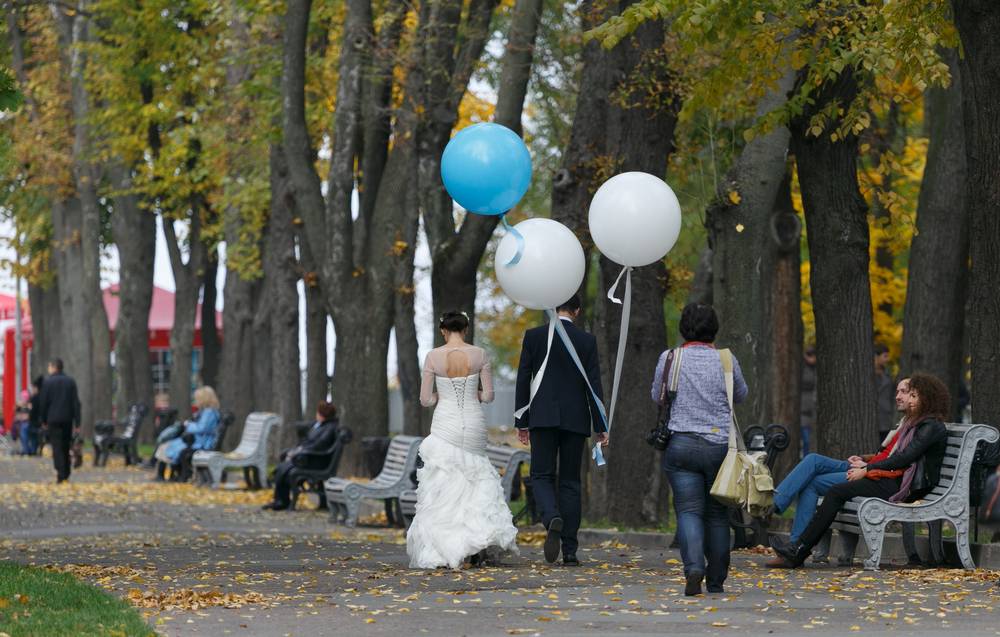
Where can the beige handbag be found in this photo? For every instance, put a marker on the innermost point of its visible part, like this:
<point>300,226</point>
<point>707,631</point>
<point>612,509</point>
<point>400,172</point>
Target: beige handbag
<point>743,481</point>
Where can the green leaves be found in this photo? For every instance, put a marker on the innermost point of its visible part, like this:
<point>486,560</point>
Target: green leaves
<point>10,97</point>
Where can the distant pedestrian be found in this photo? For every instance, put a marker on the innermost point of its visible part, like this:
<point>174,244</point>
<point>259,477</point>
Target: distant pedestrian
<point>885,392</point>
<point>35,416</point>
<point>60,415</point>
<point>807,401</point>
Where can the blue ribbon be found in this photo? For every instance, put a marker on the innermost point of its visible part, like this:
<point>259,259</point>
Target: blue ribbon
<point>596,454</point>
<point>517,236</point>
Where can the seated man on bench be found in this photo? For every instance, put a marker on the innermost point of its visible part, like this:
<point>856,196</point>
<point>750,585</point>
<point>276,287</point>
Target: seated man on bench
<point>816,474</point>
<point>320,438</point>
<point>910,470</point>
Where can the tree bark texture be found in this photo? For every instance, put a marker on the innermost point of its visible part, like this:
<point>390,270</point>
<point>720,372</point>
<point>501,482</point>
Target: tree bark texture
<point>317,380</point>
<point>745,250</point>
<point>46,324</point>
<point>573,186</point>
<point>187,285</point>
<point>837,232</point>
<point>457,254</point>
<point>640,138</point>
<point>211,344</point>
<point>89,349</point>
<point>784,373</point>
<point>359,259</point>
<point>978,22</point>
<point>937,284</point>
<point>281,281</point>
<point>135,235</point>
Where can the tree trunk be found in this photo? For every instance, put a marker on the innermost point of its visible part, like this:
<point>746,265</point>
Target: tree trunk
<point>745,255</point>
<point>187,285</point>
<point>281,281</point>
<point>573,185</point>
<point>211,345</point>
<point>90,347</point>
<point>46,323</point>
<point>238,347</point>
<point>702,287</point>
<point>934,316</point>
<point>457,258</point>
<point>837,231</point>
<point>641,139</point>
<point>978,22</point>
<point>135,235</point>
<point>317,380</point>
<point>784,316</point>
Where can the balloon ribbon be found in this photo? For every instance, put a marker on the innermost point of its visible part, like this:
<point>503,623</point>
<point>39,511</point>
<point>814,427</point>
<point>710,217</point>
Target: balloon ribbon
<point>622,335</point>
<point>555,324</point>
<point>518,237</point>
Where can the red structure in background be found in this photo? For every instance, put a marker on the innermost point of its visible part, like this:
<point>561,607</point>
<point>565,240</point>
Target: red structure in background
<point>161,321</point>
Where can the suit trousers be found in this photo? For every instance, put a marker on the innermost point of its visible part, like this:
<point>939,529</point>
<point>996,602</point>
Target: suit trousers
<point>61,439</point>
<point>558,453</point>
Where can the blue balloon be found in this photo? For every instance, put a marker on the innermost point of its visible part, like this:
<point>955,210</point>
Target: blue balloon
<point>486,168</point>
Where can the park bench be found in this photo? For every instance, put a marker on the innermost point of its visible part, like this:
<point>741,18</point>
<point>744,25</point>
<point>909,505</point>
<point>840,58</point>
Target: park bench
<point>344,496</point>
<point>949,500</point>
<point>106,442</point>
<point>506,460</point>
<point>250,454</point>
<point>226,420</point>
<point>327,460</point>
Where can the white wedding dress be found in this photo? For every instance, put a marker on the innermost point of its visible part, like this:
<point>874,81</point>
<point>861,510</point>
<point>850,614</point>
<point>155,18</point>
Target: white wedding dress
<point>461,508</point>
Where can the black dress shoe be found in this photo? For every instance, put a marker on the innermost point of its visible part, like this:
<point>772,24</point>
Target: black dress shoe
<point>715,588</point>
<point>794,553</point>
<point>692,585</point>
<point>570,559</point>
<point>553,540</point>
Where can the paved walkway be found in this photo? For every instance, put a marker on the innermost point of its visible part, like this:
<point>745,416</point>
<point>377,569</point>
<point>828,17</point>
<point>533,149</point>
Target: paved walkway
<point>201,562</point>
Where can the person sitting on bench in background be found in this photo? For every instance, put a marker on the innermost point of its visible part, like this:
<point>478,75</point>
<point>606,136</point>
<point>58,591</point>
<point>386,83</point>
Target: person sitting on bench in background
<point>816,474</point>
<point>321,437</point>
<point>198,434</point>
<point>910,469</point>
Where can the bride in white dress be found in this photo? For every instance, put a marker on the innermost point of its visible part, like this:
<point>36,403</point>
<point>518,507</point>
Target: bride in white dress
<point>461,509</point>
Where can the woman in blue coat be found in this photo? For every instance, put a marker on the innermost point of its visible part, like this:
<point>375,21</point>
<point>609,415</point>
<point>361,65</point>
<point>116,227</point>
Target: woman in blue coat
<point>199,434</point>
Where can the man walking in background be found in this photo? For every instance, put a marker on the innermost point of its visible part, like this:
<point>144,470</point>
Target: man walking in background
<point>60,415</point>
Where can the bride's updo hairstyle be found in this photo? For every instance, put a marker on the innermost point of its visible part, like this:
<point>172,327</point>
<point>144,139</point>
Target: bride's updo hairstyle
<point>454,321</point>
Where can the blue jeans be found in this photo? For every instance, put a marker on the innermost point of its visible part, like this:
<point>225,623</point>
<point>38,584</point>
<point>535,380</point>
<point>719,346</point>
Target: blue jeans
<point>691,463</point>
<point>29,440</point>
<point>809,480</point>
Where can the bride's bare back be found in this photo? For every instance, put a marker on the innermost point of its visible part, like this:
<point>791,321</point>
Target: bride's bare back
<point>452,361</point>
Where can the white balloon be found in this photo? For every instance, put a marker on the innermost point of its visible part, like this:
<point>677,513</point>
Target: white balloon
<point>635,219</point>
<point>551,268</point>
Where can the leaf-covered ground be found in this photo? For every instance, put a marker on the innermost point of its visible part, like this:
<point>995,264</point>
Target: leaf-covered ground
<point>194,561</point>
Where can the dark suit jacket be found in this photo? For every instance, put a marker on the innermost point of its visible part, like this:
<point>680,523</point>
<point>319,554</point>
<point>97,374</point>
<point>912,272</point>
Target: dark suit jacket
<point>60,402</point>
<point>562,400</point>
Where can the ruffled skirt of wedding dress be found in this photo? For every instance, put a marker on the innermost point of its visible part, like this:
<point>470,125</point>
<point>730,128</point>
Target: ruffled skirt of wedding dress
<point>461,508</point>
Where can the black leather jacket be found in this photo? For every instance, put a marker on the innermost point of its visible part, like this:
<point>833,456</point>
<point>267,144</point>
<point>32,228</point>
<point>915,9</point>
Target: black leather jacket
<point>926,450</point>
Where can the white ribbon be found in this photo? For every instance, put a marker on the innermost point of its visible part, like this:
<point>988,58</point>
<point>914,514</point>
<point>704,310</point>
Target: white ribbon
<point>555,324</point>
<point>622,336</point>
<point>536,380</point>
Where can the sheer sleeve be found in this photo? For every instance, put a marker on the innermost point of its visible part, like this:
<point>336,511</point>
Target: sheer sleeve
<point>486,380</point>
<point>428,397</point>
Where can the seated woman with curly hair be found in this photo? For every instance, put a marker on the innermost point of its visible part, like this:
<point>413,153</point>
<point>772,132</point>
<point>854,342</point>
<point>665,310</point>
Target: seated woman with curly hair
<point>910,470</point>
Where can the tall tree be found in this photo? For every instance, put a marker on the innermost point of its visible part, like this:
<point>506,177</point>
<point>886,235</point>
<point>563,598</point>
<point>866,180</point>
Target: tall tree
<point>837,232</point>
<point>188,277</point>
<point>640,129</point>
<point>281,279</point>
<point>977,22</point>
<point>359,256</point>
<point>934,318</point>
<point>578,178</point>
<point>211,345</point>
<point>134,230</point>
<point>77,224</point>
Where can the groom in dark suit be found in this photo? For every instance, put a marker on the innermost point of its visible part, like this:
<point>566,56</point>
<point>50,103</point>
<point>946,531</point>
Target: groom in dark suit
<point>558,424</point>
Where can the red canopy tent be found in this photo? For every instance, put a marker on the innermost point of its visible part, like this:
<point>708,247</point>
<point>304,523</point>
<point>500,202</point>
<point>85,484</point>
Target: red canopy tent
<point>161,320</point>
